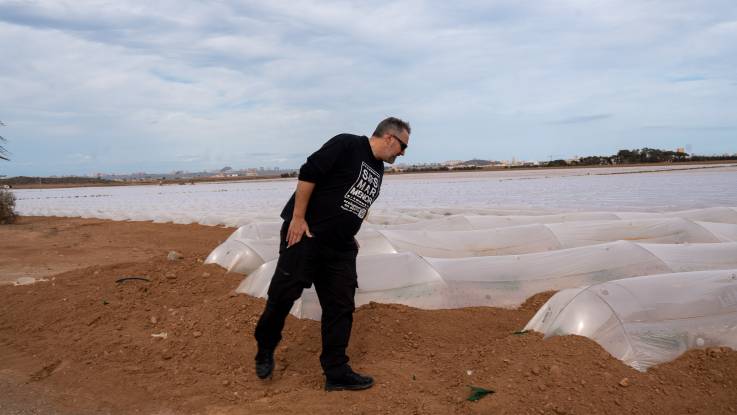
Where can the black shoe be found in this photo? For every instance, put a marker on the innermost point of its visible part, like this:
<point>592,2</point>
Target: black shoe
<point>264,363</point>
<point>351,381</point>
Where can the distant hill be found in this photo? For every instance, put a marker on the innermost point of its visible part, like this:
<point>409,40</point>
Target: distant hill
<point>476,162</point>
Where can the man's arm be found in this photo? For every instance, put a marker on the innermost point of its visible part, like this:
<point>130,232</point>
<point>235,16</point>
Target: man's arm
<point>298,226</point>
<point>315,169</point>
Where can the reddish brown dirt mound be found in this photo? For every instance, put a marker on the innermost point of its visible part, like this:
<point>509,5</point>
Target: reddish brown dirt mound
<point>83,343</point>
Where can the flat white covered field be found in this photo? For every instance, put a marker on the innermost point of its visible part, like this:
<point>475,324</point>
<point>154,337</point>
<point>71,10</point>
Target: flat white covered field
<point>646,189</point>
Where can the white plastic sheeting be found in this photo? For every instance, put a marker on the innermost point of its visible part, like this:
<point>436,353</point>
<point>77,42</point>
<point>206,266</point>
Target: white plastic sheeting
<point>649,319</point>
<point>726,232</point>
<point>259,227</point>
<point>411,281</point>
<point>471,219</point>
<point>243,252</point>
<point>506,280</point>
<point>543,237</point>
<point>253,244</point>
<point>244,255</point>
<point>408,196</point>
<point>714,214</point>
<point>485,242</point>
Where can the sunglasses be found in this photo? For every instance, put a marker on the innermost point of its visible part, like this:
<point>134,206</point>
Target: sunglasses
<point>402,144</point>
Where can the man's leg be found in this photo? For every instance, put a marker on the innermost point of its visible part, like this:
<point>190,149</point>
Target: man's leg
<point>337,305</point>
<point>285,288</point>
<point>336,289</point>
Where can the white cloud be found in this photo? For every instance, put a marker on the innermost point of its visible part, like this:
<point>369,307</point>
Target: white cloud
<point>142,82</point>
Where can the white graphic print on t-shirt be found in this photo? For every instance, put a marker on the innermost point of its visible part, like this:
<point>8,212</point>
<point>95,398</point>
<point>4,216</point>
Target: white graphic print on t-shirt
<point>364,191</point>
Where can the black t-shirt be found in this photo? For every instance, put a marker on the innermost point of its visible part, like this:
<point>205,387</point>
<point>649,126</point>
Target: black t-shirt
<point>347,180</point>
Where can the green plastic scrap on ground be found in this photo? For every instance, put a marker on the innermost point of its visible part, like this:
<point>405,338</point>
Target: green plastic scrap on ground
<point>478,393</point>
<point>521,332</point>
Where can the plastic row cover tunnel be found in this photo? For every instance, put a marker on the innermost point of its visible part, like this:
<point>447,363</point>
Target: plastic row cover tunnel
<point>648,320</point>
<point>471,219</point>
<point>245,250</point>
<point>506,280</point>
<point>438,219</point>
<point>448,218</point>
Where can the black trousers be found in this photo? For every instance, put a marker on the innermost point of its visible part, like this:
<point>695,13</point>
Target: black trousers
<point>333,271</point>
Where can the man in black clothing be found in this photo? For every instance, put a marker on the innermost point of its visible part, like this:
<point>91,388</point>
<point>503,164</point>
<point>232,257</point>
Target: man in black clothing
<point>336,188</point>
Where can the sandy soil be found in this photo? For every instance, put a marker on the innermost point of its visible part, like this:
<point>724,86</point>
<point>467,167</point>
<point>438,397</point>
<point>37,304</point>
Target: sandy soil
<point>82,342</point>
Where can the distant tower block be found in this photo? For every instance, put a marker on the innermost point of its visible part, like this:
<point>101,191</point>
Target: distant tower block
<point>680,150</point>
<point>688,148</point>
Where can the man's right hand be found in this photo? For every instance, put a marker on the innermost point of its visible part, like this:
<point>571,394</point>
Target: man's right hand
<point>297,228</point>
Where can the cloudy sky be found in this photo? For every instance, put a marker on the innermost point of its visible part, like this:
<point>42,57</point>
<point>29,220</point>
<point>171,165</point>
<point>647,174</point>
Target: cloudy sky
<point>125,86</point>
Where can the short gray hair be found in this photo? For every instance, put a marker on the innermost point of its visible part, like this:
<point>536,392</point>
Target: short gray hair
<point>391,124</point>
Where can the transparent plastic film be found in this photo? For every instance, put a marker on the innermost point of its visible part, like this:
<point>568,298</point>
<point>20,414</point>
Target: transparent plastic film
<point>649,319</point>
